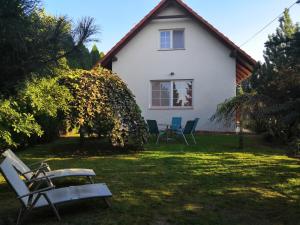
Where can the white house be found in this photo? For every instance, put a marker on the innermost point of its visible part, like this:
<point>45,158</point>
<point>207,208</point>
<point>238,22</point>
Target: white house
<point>177,64</point>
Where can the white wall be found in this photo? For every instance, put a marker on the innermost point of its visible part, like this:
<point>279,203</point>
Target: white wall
<point>205,60</point>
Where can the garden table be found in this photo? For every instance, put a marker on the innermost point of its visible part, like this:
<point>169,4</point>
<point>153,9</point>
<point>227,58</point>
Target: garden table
<point>167,130</point>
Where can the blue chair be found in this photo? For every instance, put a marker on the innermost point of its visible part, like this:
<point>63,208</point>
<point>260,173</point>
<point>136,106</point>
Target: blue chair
<point>194,129</point>
<point>153,129</point>
<point>176,124</point>
<point>189,129</point>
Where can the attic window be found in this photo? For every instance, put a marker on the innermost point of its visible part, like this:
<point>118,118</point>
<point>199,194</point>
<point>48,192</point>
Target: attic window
<point>172,39</point>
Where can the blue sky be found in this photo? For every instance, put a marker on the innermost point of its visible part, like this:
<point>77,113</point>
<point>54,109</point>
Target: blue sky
<point>237,19</point>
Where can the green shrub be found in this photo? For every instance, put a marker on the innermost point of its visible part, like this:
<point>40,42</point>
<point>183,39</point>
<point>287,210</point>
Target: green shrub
<point>104,105</point>
<point>49,102</point>
<point>16,126</point>
<point>36,114</point>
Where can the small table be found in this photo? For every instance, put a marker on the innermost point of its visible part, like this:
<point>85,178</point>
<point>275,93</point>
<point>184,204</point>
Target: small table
<point>167,130</point>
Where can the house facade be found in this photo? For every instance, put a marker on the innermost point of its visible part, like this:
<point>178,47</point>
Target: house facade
<point>177,64</point>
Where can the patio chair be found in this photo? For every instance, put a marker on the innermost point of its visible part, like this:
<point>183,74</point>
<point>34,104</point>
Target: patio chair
<point>189,129</point>
<point>153,129</point>
<point>194,129</point>
<point>49,196</point>
<point>43,167</point>
<point>176,123</point>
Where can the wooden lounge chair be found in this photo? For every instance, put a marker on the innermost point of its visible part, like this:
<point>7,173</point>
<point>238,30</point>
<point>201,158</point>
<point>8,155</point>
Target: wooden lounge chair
<point>49,196</point>
<point>44,168</point>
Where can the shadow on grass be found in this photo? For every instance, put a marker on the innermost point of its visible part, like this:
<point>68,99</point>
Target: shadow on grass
<point>210,183</point>
<point>67,147</point>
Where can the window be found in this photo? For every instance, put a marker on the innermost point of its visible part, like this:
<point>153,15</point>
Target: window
<point>178,39</point>
<point>172,94</point>
<point>165,39</point>
<point>172,39</point>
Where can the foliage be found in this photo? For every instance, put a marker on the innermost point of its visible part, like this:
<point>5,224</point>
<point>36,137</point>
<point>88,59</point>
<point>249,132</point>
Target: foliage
<point>32,41</point>
<point>45,96</point>
<point>36,113</point>
<point>271,98</point>
<point>80,58</point>
<point>102,54</point>
<point>15,125</point>
<point>36,49</point>
<point>48,101</point>
<point>104,105</point>
<point>95,55</point>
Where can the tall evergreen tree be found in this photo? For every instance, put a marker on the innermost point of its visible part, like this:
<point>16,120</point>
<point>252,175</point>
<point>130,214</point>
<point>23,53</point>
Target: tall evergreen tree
<point>32,41</point>
<point>277,53</point>
<point>95,55</point>
<point>80,58</point>
<point>271,97</point>
<point>102,54</point>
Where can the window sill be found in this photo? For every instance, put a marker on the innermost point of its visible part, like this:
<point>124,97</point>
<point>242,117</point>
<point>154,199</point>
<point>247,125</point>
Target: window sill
<point>171,49</point>
<point>171,108</point>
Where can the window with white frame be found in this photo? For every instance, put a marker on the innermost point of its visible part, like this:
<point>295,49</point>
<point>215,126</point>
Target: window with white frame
<point>172,39</point>
<point>172,94</point>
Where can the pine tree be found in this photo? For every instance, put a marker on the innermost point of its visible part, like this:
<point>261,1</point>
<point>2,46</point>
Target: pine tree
<point>102,54</point>
<point>271,97</point>
<point>277,53</point>
<point>80,59</point>
<point>33,42</point>
<point>95,55</point>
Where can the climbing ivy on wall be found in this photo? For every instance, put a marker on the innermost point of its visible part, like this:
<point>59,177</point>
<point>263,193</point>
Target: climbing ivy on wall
<point>104,105</point>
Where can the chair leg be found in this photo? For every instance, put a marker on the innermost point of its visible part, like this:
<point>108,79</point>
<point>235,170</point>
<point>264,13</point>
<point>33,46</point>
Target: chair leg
<point>107,202</point>
<point>20,215</point>
<point>91,179</point>
<point>157,140</point>
<point>185,139</point>
<point>194,139</point>
<point>53,207</point>
<point>55,212</point>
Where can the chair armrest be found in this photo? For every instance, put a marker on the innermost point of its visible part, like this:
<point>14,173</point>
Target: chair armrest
<point>39,178</point>
<point>39,163</point>
<point>37,192</point>
<point>36,170</point>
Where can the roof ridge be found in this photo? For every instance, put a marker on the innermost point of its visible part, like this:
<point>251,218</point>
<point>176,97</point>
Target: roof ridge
<point>115,49</point>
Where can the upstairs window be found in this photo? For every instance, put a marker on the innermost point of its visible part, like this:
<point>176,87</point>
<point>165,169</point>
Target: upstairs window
<point>172,39</point>
<point>165,39</point>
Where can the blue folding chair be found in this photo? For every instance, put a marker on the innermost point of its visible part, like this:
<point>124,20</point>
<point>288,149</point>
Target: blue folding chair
<point>189,129</point>
<point>194,129</point>
<point>176,124</point>
<point>153,130</point>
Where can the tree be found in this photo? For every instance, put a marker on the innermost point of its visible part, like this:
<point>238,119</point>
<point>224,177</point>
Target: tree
<point>35,114</point>
<point>95,55</point>
<point>32,41</point>
<point>271,96</point>
<point>16,126</point>
<point>102,54</point>
<point>34,50</point>
<point>48,101</point>
<point>80,58</point>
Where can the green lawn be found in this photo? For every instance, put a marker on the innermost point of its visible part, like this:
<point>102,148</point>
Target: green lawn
<point>211,183</point>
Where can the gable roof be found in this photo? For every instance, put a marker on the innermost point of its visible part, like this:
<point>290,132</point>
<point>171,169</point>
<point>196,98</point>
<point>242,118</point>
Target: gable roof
<point>245,61</point>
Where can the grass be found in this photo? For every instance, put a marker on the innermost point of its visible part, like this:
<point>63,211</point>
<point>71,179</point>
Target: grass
<point>212,183</point>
